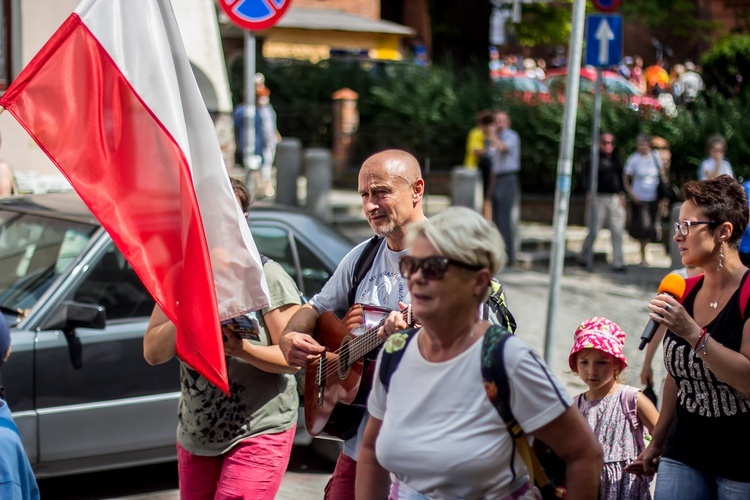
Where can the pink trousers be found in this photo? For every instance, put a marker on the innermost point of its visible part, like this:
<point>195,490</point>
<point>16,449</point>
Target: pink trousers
<point>253,469</point>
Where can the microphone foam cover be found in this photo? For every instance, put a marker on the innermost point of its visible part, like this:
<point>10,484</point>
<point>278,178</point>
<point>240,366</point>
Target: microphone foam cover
<point>673,284</point>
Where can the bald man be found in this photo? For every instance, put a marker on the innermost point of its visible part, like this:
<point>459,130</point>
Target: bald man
<point>391,187</point>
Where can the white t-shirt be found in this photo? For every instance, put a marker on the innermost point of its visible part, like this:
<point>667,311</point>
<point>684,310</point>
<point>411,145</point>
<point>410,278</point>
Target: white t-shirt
<point>441,435</point>
<point>382,286</point>
<point>709,164</point>
<point>644,172</point>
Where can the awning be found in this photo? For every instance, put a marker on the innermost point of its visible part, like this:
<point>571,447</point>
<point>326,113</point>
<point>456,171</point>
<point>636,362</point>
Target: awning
<point>338,20</point>
<point>325,19</point>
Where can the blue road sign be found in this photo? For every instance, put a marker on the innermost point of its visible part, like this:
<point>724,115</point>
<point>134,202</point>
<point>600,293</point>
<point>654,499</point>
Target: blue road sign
<point>603,40</point>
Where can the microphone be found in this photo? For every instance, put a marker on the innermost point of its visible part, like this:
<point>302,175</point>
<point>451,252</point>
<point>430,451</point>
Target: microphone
<point>672,284</point>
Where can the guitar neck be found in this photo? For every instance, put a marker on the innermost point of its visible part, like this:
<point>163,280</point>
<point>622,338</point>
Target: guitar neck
<point>369,340</point>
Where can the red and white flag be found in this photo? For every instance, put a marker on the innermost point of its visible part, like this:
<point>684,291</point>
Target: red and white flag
<point>112,100</point>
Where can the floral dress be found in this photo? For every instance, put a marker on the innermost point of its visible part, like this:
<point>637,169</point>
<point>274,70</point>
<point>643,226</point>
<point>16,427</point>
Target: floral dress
<point>608,418</point>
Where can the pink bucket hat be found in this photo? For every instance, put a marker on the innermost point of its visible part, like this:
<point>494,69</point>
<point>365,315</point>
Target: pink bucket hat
<point>598,333</point>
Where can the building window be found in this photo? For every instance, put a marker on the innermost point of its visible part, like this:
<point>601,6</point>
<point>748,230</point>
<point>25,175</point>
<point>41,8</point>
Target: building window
<point>5,46</point>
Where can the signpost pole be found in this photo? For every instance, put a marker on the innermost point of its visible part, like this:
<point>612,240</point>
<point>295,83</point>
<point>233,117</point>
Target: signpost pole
<point>594,173</point>
<point>564,169</point>
<point>248,155</point>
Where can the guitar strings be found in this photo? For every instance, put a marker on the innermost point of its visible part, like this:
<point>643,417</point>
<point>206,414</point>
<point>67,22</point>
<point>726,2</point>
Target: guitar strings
<point>369,340</point>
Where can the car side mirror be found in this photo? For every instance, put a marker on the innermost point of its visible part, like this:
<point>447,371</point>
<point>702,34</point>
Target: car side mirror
<point>71,315</point>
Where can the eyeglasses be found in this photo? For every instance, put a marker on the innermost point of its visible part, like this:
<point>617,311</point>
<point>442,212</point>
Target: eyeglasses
<point>433,268</point>
<point>684,227</point>
<point>605,143</point>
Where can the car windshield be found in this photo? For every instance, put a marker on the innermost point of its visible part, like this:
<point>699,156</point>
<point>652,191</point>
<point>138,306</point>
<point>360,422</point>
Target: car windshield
<point>35,250</point>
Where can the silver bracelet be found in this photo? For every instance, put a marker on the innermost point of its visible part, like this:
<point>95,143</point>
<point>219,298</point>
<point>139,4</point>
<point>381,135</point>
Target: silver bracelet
<point>703,345</point>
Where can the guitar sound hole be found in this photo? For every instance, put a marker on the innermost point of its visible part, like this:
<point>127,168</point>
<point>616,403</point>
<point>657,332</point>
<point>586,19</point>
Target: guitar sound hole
<point>343,361</point>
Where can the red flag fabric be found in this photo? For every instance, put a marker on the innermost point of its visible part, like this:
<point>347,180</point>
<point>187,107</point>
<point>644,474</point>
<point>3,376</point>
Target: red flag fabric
<point>111,99</point>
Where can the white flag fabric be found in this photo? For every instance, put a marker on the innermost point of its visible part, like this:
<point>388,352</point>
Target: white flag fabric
<point>112,100</point>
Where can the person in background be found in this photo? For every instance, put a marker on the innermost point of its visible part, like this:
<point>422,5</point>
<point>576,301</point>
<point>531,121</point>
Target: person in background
<point>505,154</point>
<point>690,83</point>
<point>657,78</point>
<point>17,479</point>
<point>237,446</point>
<point>641,181</point>
<point>705,405</point>
<point>637,76</point>
<point>435,429</point>
<point>267,136</point>
<point>716,164</point>
<point>617,413</point>
<point>477,154</point>
<point>609,202</point>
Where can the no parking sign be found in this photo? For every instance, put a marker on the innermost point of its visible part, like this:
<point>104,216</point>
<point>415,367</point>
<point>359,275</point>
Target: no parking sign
<point>606,5</point>
<point>255,14</point>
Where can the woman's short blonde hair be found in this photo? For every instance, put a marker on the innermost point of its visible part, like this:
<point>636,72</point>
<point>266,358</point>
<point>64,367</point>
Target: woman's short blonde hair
<point>462,234</point>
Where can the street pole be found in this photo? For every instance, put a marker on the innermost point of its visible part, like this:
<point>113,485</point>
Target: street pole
<point>564,169</point>
<point>248,160</point>
<point>594,174</point>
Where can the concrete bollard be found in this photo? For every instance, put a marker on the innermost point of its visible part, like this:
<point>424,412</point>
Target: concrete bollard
<point>466,188</point>
<point>318,170</point>
<point>288,167</point>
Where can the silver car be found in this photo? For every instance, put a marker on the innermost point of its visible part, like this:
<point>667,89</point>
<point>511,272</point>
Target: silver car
<point>81,393</point>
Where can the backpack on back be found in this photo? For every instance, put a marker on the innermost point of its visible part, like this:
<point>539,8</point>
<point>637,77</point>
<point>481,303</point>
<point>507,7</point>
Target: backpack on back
<point>497,389</point>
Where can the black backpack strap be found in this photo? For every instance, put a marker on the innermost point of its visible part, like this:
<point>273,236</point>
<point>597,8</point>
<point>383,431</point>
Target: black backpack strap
<point>393,351</point>
<point>263,260</point>
<point>363,265</point>
<point>498,304</point>
<point>498,391</point>
<point>493,372</point>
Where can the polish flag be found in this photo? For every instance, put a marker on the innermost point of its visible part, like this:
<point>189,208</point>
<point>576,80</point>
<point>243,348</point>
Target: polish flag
<point>112,100</point>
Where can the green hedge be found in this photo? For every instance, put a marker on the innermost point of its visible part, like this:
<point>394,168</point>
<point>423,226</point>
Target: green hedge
<point>428,111</point>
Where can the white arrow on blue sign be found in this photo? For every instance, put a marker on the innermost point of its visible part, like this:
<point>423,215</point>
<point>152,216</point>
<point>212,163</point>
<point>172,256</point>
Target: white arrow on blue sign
<point>603,40</point>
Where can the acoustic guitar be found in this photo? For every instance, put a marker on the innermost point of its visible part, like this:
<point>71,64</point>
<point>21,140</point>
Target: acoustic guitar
<point>337,383</point>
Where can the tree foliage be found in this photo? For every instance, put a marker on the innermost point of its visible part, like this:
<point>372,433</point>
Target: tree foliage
<point>726,66</point>
<point>676,17</point>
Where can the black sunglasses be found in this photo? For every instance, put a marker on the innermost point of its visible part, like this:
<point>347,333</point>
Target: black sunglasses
<point>433,268</point>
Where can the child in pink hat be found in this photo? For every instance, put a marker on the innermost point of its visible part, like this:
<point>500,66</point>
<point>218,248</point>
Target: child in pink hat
<point>616,412</point>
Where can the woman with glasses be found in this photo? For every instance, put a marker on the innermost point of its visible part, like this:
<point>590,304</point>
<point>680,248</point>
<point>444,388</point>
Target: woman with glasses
<point>434,429</point>
<point>705,405</point>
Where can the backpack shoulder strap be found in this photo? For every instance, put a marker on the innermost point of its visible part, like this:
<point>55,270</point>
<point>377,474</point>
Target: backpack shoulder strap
<point>498,304</point>
<point>393,351</point>
<point>263,259</point>
<point>689,285</point>
<point>498,391</point>
<point>629,402</point>
<point>363,264</point>
<point>745,295</point>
